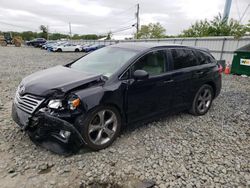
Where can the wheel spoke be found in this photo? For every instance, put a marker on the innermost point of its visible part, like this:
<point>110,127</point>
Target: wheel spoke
<point>101,115</point>
<point>110,120</point>
<point>99,136</point>
<point>200,98</point>
<point>208,97</point>
<point>109,132</point>
<point>207,103</point>
<point>206,93</point>
<point>94,128</point>
<point>200,106</point>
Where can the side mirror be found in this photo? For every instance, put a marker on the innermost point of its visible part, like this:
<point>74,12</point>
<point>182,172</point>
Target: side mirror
<point>140,75</point>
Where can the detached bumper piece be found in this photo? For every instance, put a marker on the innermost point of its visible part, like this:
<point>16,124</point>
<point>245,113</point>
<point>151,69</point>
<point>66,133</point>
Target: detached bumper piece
<point>54,134</point>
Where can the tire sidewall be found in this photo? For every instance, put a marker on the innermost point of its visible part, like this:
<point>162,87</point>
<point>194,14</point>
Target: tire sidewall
<point>194,110</point>
<point>83,124</point>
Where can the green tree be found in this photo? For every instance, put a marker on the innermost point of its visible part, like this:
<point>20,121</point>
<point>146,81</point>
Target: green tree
<point>248,27</point>
<point>151,31</point>
<point>44,30</point>
<point>216,27</point>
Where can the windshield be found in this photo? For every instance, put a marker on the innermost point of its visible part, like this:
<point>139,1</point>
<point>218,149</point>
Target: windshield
<point>104,61</point>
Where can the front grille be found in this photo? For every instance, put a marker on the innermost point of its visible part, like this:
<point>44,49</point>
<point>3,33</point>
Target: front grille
<point>28,103</point>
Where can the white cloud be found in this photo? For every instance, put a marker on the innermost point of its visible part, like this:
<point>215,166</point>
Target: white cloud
<point>153,18</point>
<point>90,8</point>
<point>200,9</point>
<point>99,16</point>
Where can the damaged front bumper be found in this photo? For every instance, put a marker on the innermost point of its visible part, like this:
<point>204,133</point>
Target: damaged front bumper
<point>49,131</point>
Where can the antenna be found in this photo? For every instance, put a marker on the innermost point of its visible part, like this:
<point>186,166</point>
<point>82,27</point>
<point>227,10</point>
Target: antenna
<point>137,20</point>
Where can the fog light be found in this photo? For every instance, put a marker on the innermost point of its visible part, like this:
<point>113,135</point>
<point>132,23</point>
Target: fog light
<point>64,134</point>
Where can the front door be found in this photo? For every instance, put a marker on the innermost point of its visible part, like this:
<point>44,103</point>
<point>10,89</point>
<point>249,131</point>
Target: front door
<point>145,98</point>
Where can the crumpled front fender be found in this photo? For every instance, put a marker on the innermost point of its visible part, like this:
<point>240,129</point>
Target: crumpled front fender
<point>46,133</point>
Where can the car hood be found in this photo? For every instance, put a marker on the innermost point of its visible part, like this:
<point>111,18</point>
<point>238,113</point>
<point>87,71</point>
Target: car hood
<point>59,78</point>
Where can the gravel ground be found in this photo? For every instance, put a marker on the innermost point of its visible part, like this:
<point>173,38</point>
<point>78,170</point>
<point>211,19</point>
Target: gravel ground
<point>177,151</point>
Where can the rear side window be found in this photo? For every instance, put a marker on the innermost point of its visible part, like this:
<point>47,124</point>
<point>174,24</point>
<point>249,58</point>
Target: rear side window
<point>204,58</point>
<point>183,58</point>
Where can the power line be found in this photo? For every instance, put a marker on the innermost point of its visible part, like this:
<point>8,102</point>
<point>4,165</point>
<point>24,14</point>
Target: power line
<point>123,29</point>
<point>15,25</point>
<point>115,16</point>
<point>238,10</point>
<point>242,16</point>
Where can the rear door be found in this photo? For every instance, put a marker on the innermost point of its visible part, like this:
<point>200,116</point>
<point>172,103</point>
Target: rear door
<point>184,66</point>
<point>206,70</point>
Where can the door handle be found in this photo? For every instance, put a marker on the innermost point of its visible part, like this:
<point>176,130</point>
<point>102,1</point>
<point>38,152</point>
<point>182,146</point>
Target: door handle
<point>199,72</point>
<point>168,81</point>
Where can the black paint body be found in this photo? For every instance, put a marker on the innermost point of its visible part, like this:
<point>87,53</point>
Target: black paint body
<point>136,100</point>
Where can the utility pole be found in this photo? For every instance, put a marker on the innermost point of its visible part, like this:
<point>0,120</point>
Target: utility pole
<point>137,20</point>
<point>69,30</point>
<point>227,10</point>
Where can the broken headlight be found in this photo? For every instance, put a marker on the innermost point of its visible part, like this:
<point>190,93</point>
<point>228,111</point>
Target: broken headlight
<point>73,102</point>
<point>55,104</point>
<point>70,103</point>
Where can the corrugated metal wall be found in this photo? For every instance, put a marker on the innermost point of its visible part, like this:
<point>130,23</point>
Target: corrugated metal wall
<point>221,47</point>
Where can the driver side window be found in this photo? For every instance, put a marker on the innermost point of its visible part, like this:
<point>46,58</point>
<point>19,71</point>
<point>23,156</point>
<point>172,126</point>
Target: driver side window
<point>154,63</point>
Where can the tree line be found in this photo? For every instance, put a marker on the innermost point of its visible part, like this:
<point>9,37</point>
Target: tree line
<point>202,28</point>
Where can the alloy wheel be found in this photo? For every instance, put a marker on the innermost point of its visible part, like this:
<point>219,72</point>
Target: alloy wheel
<point>102,127</point>
<point>204,100</point>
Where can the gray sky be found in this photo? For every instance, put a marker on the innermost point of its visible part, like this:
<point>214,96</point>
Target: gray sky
<point>101,16</point>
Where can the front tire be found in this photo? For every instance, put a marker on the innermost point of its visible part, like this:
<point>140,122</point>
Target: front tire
<point>3,43</point>
<point>77,50</point>
<point>202,101</point>
<point>59,50</point>
<point>100,127</point>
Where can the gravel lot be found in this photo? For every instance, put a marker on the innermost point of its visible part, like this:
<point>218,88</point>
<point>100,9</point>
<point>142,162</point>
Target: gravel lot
<point>177,151</point>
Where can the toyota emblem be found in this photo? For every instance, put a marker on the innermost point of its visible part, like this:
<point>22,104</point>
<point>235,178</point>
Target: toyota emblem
<point>21,89</point>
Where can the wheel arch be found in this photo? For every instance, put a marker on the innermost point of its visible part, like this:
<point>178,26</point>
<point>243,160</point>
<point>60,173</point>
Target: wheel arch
<point>116,106</point>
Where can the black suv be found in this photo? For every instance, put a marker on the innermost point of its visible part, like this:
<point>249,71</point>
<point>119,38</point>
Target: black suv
<point>38,42</point>
<point>88,102</point>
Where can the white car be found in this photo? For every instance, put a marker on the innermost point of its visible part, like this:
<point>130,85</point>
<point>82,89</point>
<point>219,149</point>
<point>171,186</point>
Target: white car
<point>67,48</point>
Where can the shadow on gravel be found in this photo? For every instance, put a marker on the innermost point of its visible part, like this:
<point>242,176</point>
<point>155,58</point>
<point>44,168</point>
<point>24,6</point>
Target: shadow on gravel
<point>144,123</point>
<point>101,185</point>
<point>128,184</point>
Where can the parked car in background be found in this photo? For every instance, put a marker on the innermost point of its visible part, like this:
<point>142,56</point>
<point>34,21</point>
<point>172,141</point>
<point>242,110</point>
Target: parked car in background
<point>59,43</point>
<point>68,47</point>
<point>88,101</point>
<point>38,42</point>
<point>85,45</point>
<point>92,47</point>
<point>47,44</point>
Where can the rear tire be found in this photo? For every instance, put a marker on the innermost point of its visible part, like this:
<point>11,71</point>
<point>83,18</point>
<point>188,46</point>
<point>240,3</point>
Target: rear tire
<point>100,127</point>
<point>202,100</point>
<point>77,50</point>
<point>17,44</point>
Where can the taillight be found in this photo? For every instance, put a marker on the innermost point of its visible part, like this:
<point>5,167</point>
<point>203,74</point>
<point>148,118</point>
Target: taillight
<point>220,69</point>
